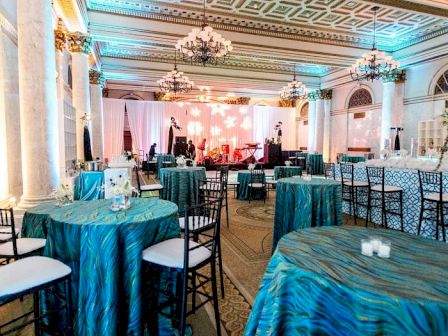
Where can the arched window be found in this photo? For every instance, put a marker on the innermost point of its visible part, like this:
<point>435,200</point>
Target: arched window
<point>360,97</point>
<point>442,84</point>
<point>304,110</point>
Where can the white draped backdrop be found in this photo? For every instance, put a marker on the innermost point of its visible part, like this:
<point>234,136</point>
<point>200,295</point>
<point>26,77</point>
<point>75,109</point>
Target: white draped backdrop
<point>236,125</point>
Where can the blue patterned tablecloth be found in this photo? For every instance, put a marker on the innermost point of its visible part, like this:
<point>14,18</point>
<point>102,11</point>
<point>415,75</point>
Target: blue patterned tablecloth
<point>180,185</point>
<point>104,249</point>
<point>243,188</point>
<point>301,204</point>
<point>353,158</point>
<point>318,283</point>
<point>287,171</point>
<point>162,158</point>
<point>406,179</point>
<point>88,186</point>
<point>316,162</point>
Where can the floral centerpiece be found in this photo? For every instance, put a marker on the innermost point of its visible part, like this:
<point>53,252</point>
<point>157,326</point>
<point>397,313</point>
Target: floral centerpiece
<point>288,163</point>
<point>122,190</point>
<point>181,162</point>
<point>63,195</point>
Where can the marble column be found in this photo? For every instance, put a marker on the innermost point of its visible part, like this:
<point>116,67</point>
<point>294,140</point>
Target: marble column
<point>319,126</point>
<point>60,42</point>
<point>311,122</point>
<point>80,47</point>
<point>392,108</point>
<point>10,161</point>
<point>38,101</point>
<point>327,126</point>
<point>96,105</point>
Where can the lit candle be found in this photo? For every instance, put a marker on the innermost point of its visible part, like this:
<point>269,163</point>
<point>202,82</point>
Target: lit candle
<point>366,247</point>
<point>376,242</point>
<point>384,250</point>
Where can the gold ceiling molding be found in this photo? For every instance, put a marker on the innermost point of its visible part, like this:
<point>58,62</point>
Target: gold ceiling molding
<point>71,12</point>
<point>287,103</point>
<point>96,78</point>
<point>60,36</point>
<point>236,100</point>
<point>79,42</point>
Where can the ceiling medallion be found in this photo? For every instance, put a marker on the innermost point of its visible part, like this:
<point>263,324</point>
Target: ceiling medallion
<point>204,46</point>
<point>294,90</point>
<point>374,65</point>
<point>175,81</point>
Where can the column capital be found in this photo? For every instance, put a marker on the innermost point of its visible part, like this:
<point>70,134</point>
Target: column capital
<point>326,94</point>
<point>79,43</point>
<point>96,77</point>
<point>398,77</point>
<point>60,36</point>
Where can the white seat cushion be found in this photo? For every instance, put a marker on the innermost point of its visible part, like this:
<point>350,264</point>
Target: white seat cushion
<point>151,187</point>
<point>386,188</point>
<point>256,185</point>
<point>233,183</point>
<point>357,183</point>
<point>198,221</point>
<point>5,236</point>
<point>271,181</point>
<point>24,246</point>
<point>436,197</point>
<point>170,253</point>
<point>209,186</point>
<point>8,230</point>
<point>30,272</point>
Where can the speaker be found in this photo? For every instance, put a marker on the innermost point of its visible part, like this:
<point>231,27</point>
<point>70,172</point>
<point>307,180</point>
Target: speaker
<point>181,139</point>
<point>180,149</point>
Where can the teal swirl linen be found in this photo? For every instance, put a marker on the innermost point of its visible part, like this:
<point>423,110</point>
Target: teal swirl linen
<point>318,283</point>
<point>300,204</point>
<point>180,185</point>
<point>316,162</point>
<point>88,186</point>
<point>104,248</point>
<point>162,158</point>
<point>287,171</point>
<point>353,158</point>
<point>243,188</point>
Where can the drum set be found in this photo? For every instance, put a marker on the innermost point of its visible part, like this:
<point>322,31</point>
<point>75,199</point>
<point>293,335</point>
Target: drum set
<point>222,155</point>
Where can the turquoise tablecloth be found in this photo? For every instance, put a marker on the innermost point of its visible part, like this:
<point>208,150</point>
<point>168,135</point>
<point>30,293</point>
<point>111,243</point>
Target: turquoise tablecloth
<point>163,158</point>
<point>243,188</point>
<point>287,171</point>
<point>180,185</point>
<point>316,162</point>
<point>353,158</point>
<point>88,186</point>
<point>104,248</point>
<point>300,204</point>
<point>318,283</point>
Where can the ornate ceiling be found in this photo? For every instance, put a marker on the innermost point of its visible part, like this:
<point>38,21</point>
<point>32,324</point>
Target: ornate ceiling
<point>134,39</point>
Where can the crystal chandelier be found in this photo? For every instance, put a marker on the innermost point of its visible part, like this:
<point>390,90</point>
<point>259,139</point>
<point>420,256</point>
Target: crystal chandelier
<point>374,65</point>
<point>175,81</point>
<point>204,46</point>
<point>294,90</point>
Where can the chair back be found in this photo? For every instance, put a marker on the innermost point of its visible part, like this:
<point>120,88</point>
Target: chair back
<point>257,176</point>
<point>281,172</point>
<point>202,218</point>
<point>347,173</point>
<point>210,190</point>
<point>7,226</point>
<point>222,174</point>
<point>330,170</point>
<point>137,177</point>
<point>430,182</point>
<point>375,176</point>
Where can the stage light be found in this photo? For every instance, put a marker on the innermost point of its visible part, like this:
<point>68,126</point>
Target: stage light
<point>195,112</point>
<point>195,128</point>
<point>215,130</point>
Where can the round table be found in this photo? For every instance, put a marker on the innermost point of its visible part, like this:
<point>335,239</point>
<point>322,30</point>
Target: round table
<point>300,203</point>
<point>104,249</point>
<point>161,158</point>
<point>288,171</point>
<point>353,158</point>
<point>180,185</point>
<point>243,188</point>
<point>318,283</point>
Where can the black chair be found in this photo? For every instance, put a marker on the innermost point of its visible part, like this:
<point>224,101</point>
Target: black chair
<point>433,200</point>
<point>187,257</point>
<point>330,170</point>
<point>222,175</point>
<point>13,247</point>
<point>270,184</point>
<point>146,187</point>
<point>389,199</point>
<point>257,183</point>
<point>352,189</point>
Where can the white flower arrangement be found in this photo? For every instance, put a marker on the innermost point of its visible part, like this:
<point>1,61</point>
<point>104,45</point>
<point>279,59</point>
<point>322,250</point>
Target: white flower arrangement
<point>181,162</point>
<point>385,153</point>
<point>288,163</point>
<point>122,186</point>
<point>251,166</point>
<point>63,194</point>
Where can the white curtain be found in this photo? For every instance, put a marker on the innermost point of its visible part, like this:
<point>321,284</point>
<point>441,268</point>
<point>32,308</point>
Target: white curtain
<point>113,113</point>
